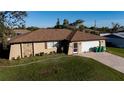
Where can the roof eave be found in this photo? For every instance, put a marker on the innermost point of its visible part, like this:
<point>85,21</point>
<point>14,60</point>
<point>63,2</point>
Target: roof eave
<point>87,40</point>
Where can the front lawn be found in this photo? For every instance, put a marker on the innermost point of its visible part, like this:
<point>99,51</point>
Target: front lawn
<point>60,67</point>
<point>116,51</point>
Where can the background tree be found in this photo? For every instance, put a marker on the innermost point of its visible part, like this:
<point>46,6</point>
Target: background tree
<point>115,27</point>
<point>79,21</point>
<point>58,26</point>
<point>32,28</point>
<point>103,29</point>
<point>81,27</point>
<point>9,20</point>
<point>77,25</point>
<point>21,27</point>
<point>92,27</point>
<point>65,23</point>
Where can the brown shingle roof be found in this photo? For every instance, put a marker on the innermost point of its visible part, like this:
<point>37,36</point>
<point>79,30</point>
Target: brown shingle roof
<point>42,35</point>
<point>82,36</point>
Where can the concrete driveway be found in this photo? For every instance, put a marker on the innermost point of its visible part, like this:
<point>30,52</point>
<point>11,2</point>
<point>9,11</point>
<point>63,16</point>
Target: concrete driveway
<point>108,59</point>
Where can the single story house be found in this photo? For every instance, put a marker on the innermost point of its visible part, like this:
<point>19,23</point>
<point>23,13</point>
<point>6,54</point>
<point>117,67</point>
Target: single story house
<point>53,40</point>
<point>114,39</point>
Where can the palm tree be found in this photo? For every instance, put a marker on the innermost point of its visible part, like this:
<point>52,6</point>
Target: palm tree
<point>79,21</point>
<point>115,27</point>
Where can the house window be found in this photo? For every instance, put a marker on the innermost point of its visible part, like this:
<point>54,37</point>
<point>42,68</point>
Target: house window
<point>75,45</point>
<point>51,44</point>
<point>75,49</point>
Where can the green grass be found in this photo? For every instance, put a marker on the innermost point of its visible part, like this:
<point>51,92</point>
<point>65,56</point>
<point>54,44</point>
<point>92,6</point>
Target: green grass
<point>64,68</point>
<point>5,62</point>
<point>116,51</point>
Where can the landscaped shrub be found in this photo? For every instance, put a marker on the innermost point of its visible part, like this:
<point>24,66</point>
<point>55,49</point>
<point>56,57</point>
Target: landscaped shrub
<point>36,54</point>
<point>31,55</point>
<point>51,53</point>
<point>13,58</point>
<point>25,56</point>
<point>54,52</point>
<point>18,57</point>
<point>42,53</point>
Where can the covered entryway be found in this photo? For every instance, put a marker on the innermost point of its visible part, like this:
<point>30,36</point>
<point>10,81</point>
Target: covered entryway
<point>87,45</point>
<point>62,46</point>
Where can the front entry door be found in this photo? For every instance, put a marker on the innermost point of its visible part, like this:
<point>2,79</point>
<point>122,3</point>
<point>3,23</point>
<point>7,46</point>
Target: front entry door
<point>75,48</point>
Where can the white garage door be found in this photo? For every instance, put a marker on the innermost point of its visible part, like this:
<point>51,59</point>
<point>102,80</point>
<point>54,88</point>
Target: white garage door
<point>89,44</point>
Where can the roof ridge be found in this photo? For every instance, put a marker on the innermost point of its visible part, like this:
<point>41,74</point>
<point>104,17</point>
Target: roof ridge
<point>85,36</point>
<point>40,35</point>
<point>52,35</point>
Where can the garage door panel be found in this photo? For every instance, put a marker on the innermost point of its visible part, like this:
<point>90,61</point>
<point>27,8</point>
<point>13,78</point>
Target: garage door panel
<point>89,44</point>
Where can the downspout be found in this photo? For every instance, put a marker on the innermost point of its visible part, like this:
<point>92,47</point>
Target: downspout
<point>21,49</point>
<point>33,48</point>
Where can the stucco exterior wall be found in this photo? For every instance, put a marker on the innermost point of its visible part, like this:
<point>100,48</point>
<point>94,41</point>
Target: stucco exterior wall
<point>15,51</point>
<point>50,50</point>
<point>70,48</point>
<point>79,47</point>
<point>103,43</point>
<point>28,49</point>
<point>71,45</point>
<point>40,47</point>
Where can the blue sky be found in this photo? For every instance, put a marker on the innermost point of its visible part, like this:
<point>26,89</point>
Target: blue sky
<point>48,18</point>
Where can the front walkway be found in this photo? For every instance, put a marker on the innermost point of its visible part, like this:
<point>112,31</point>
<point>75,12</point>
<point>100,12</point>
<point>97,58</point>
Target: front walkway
<point>108,59</point>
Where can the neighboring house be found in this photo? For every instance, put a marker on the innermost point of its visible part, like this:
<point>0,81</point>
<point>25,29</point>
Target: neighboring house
<point>20,31</point>
<point>53,40</point>
<point>114,39</point>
